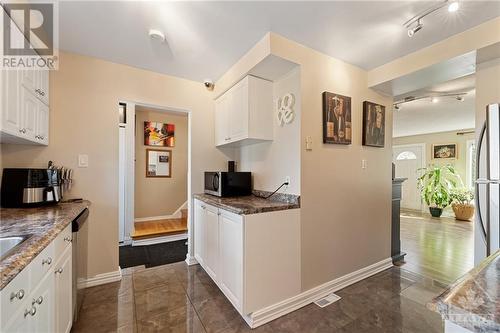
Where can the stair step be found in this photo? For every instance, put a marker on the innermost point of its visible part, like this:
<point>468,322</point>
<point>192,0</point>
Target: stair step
<point>158,228</point>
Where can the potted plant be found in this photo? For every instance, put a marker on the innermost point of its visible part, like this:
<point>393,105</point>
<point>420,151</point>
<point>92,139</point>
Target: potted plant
<point>462,203</point>
<point>436,184</point>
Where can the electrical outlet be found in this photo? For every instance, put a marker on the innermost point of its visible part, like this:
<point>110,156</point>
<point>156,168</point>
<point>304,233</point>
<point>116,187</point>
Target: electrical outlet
<point>83,161</point>
<point>287,180</point>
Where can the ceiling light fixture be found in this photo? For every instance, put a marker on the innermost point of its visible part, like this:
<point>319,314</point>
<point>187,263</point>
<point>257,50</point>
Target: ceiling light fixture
<point>415,23</point>
<point>434,99</point>
<point>157,35</point>
<point>415,29</point>
<point>453,7</point>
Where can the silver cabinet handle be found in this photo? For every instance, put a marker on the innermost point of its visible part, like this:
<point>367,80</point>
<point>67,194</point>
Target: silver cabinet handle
<point>42,93</point>
<point>68,239</point>
<point>60,270</point>
<point>38,301</point>
<point>42,137</point>
<point>30,312</point>
<point>203,207</point>
<point>19,295</point>
<point>47,261</point>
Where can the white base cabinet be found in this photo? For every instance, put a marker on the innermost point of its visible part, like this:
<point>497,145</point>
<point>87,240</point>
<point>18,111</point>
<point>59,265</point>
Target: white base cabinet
<point>254,259</point>
<point>39,298</point>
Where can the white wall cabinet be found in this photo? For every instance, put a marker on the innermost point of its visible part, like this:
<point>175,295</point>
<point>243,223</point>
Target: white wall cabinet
<point>24,106</point>
<point>39,298</point>
<point>244,113</point>
<point>254,259</point>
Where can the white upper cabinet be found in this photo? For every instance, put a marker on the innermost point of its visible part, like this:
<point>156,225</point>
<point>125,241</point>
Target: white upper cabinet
<point>24,105</point>
<point>244,113</point>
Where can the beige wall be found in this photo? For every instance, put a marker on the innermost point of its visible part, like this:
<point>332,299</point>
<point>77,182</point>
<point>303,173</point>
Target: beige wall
<point>160,196</point>
<point>84,96</point>
<point>444,137</point>
<point>271,162</point>
<point>345,210</point>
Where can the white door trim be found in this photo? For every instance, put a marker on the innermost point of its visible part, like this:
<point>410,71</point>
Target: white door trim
<point>130,167</point>
<point>423,161</point>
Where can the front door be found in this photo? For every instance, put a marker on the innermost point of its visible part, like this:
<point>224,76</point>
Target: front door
<point>408,160</point>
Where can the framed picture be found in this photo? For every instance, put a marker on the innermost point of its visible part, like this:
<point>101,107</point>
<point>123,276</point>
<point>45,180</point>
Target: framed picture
<point>159,134</point>
<point>373,124</point>
<point>444,151</point>
<point>158,163</point>
<point>336,119</point>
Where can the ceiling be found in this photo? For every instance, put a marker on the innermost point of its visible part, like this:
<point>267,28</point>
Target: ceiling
<point>203,39</point>
<point>448,114</point>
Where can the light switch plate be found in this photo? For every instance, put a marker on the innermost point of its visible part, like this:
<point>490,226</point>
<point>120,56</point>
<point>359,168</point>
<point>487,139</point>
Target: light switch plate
<point>364,164</point>
<point>83,161</point>
<point>309,143</point>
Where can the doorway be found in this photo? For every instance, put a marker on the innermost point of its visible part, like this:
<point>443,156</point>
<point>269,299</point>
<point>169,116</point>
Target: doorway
<point>408,159</point>
<point>154,178</point>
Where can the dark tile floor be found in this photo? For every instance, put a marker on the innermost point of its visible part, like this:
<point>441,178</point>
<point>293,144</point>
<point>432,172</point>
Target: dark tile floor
<point>178,298</point>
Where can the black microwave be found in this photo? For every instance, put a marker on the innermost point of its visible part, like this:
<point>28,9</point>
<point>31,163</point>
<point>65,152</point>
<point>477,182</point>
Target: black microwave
<point>228,184</point>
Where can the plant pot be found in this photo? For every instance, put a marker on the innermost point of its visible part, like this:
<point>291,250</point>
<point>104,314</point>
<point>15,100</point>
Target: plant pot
<point>436,212</point>
<point>463,212</point>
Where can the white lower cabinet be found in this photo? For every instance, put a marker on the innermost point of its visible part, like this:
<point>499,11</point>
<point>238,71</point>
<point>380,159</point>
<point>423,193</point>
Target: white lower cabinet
<point>254,259</point>
<point>39,298</point>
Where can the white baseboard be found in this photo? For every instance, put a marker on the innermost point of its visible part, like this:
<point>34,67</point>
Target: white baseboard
<point>282,308</point>
<point>176,215</point>
<point>161,239</point>
<point>100,279</point>
<point>190,261</point>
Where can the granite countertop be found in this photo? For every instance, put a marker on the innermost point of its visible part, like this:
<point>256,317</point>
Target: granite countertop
<point>43,223</point>
<point>252,204</point>
<point>473,301</point>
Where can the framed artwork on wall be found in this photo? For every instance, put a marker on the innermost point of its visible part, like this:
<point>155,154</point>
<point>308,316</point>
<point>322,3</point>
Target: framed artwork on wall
<point>373,125</point>
<point>159,134</point>
<point>158,163</point>
<point>336,119</point>
<point>444,151</point>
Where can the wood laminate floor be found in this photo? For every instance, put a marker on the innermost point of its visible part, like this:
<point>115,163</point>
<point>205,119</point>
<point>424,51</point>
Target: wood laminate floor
<point>441,249</point>
<point>159,228</point>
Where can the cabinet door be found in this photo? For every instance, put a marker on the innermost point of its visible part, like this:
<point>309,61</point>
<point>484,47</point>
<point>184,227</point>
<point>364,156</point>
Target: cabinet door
<point>21,321</point>
<point>211,250</point>
<point>221,120</point>
<point>11,115</point>
<point>231,256</point>
<point>238,111</point>
<point>199,232</point>
<point>43,301</point>
<point>29,110</point>
<point>30,79</point>
<point>63,292</point>
<point>42,124</point>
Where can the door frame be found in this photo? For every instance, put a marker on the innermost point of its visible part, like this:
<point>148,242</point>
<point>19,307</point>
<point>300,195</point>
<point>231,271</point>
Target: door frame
<point>423,163</point>
<point>129,182</point>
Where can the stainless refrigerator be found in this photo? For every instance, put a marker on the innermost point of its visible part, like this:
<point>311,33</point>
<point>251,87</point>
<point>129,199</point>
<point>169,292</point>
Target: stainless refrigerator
<point>487,228</point>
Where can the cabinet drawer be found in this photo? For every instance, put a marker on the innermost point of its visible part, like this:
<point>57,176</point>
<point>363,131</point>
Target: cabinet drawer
<point>42,264</point>
<point>15,294</point>
<point>62,242</point>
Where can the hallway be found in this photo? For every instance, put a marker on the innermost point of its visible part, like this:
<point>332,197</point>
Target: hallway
<point>440,249</point>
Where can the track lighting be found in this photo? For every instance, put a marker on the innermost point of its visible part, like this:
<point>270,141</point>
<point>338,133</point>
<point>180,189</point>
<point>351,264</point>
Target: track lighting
<point>453,7</point>
<point>415,29</point>
<point>415,23</point>
<point>397,107</point>
<point>434,99</point>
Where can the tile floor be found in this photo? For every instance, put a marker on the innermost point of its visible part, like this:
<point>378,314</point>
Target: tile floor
<point>178,298</point>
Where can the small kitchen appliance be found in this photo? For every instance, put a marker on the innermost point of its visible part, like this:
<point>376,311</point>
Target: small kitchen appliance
<point>228,184</point>
<point>30,187</point>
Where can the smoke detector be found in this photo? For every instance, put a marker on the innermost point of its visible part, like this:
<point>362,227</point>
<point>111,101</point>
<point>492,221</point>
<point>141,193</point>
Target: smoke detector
<point>156,35</point>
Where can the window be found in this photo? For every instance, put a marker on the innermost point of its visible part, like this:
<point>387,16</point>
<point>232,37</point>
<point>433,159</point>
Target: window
<point>406,155</point>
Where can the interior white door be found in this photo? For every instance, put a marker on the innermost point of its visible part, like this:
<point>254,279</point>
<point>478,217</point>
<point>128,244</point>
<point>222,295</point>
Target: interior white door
<point>408,160</point>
